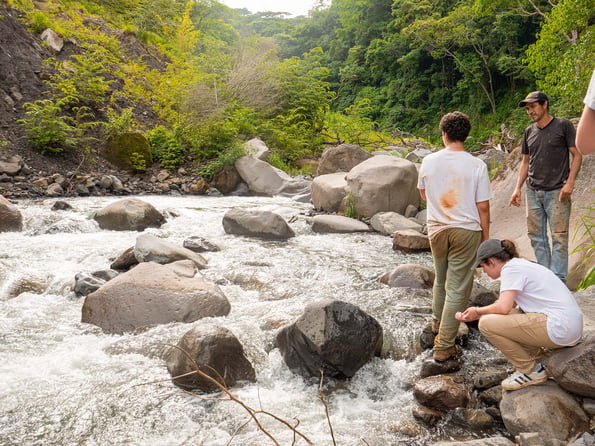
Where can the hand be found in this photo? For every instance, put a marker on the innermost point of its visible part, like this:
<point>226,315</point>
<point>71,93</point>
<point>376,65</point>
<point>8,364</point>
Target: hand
<point>566,191</point>
<point>515,199</point>
<point>469,315</point>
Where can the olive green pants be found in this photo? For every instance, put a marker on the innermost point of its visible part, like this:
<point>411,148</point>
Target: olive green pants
<point>453,251</point>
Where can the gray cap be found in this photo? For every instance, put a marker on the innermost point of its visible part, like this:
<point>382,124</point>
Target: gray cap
<point>534,96</point>
<point>487,249</point>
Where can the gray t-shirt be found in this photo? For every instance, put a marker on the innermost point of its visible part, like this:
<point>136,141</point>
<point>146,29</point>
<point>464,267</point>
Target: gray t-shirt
<point>549,157</point>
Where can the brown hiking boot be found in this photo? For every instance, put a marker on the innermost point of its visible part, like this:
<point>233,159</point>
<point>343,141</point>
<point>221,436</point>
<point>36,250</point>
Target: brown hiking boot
<point>435,326</point>
<point>449,353</point>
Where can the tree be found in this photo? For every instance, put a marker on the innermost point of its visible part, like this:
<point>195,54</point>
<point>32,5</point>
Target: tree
<point>460,36</point>
<point>563,56</point>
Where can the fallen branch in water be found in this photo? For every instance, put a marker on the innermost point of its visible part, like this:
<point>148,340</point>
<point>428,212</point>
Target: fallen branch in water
<point>325,404</point>
<point>219,382</point>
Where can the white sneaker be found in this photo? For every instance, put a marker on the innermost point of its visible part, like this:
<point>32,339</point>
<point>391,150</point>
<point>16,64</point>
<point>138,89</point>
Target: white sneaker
<point>519,380</point>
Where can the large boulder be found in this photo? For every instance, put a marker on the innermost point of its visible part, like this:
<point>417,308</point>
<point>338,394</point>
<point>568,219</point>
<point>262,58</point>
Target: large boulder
<point>216,352</point>
<point>333,336</point>
<point>256,148</point>
<point>573,367</point>
<point>129,214</point>
<point>337,224</point>
<point>149,248</point>
<point>11,219</point>
<point>390,222</point>
<point>410,275</point>
<point>255,223</point>
<point>129,151</point>
<point>226,179</point>
<point>410,240</point>
<point>263,178</point>
<point>546,409</point>
<point>341,158</point>
<point>151,294</point>
<point>383,184</point>
<point>329,191</point>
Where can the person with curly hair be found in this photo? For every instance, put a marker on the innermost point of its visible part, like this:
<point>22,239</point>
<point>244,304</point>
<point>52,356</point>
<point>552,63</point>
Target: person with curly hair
<point>534,311</point>
<point>456,188</point>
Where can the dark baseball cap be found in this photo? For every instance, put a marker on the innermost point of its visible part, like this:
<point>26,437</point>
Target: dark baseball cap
<point>534,96</point>
<point>487,249</point>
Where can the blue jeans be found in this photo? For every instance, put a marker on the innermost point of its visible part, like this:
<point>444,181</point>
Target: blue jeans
<point>543,211</point>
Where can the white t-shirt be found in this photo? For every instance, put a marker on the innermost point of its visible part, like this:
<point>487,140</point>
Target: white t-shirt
<point>540,291</point>
<point>454,182</point>
<point>590,97</point>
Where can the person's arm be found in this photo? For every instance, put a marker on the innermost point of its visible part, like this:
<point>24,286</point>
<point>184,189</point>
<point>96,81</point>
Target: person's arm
<point>575,167</point>
<point>585,132</point>
<point>483,207</point>
<point>422,192</point>
<point>503,305</point>
<point>515,199</point>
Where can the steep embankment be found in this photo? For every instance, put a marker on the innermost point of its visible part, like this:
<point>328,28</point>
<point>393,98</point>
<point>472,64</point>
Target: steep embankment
<point>22,76</point>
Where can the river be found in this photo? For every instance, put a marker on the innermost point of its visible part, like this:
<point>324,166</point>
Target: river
<point>67,383</point>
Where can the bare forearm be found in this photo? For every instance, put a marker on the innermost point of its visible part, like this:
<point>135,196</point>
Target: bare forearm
<point>575,166</point>
<point>484,219</point>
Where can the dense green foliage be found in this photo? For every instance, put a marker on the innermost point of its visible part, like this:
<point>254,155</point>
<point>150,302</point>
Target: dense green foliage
<point>356,71</point>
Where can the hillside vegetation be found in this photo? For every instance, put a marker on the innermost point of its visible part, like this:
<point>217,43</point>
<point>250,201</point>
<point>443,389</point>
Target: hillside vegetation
<point>197,78</point>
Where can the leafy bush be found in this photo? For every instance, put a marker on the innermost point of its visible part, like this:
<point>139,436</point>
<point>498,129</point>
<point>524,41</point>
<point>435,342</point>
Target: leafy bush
<point>81,78</point>
<point>138,162</point>
<point>48,129</point>
<point>227,157</point>
<point>166,147</point>
<point>39,22</point>
<point>118,124</point>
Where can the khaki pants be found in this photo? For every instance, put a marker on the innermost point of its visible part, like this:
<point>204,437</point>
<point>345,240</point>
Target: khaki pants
<point>521,337</point>
<point>453,252</point>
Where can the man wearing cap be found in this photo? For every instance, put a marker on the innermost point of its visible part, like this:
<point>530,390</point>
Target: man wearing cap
<point>456,187</point>
<point>549,175</point>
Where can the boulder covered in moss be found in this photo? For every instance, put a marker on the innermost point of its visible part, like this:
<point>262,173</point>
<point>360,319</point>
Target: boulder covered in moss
<point>128,151</point>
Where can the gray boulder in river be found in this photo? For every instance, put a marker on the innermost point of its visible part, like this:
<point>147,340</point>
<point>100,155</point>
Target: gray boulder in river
<point>333,336</point>
<point>151,294</point>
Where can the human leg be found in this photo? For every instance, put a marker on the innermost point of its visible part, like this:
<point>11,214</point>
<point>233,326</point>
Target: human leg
<point>520,337</point>
<point>439,247</point>
<point>537,226</point>
<point>558,215</point>
<point>462,247</point>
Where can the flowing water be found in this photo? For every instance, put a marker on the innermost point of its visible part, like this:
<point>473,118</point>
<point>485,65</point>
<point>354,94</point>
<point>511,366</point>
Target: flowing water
<point>64,382</point>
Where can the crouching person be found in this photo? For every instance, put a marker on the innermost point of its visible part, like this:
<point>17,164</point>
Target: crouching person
<point>534,311</point>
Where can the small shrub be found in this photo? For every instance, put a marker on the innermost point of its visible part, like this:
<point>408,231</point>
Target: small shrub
<point>166,147</point>
<point>227,157</point>
<point>350,210</point>
<point>47,128</point>
<point>38,22</point>
<point>118,124</point>
<point>138,162</point>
